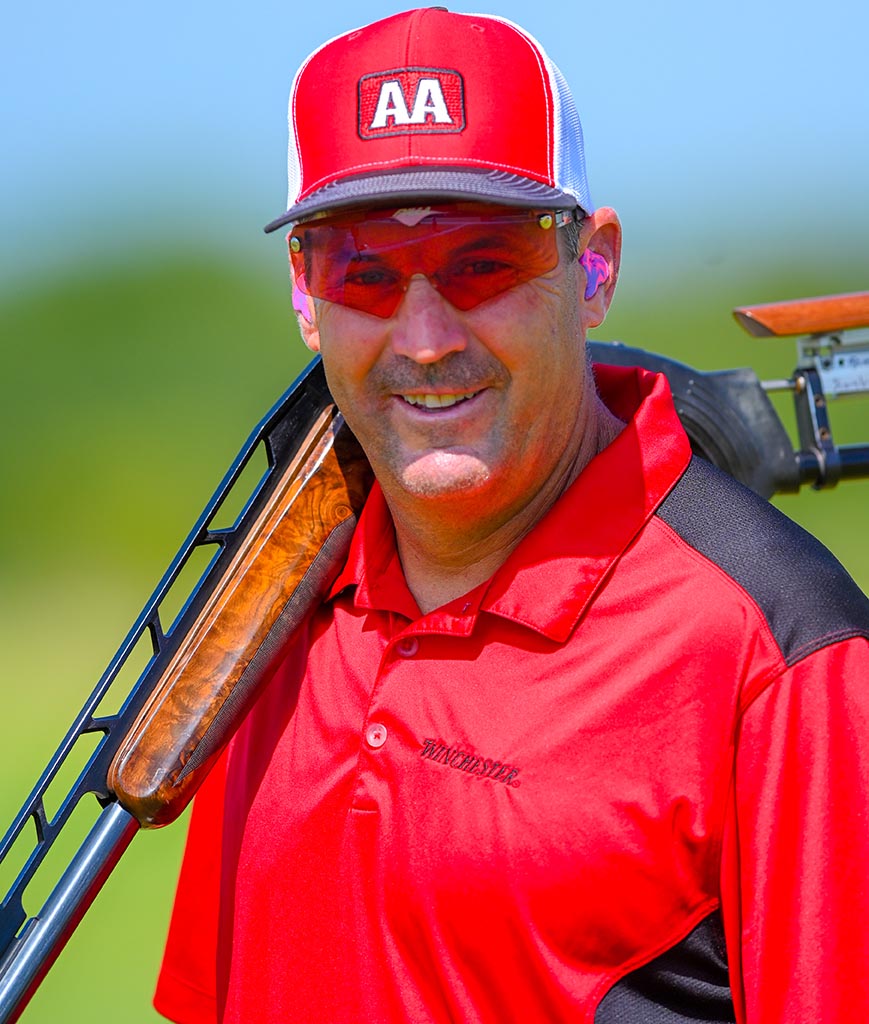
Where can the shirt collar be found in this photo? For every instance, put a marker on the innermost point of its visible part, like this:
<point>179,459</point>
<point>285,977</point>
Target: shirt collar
<point>553,573</point>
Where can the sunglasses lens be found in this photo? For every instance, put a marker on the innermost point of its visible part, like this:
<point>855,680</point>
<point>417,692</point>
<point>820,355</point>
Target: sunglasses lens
<point>367,262</point>
<point>350,264</point>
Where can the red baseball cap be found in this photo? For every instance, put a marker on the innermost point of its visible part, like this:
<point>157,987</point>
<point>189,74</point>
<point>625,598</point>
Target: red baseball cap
<point>431,104</point>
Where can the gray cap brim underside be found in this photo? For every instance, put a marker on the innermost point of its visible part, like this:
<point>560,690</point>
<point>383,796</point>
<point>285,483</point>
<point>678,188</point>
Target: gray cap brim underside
<point>440,183</point>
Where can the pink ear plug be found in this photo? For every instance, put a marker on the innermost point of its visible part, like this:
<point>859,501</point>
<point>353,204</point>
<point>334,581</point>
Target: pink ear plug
<point>597,271</point>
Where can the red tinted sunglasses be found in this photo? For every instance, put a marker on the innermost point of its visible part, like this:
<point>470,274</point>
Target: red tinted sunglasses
<point>366,260</point>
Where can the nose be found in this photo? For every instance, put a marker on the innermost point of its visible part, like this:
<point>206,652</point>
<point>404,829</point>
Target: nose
<point>426,327</point>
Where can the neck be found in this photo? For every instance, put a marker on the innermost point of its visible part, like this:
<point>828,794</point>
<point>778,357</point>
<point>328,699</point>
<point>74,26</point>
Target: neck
<point>450,544</point>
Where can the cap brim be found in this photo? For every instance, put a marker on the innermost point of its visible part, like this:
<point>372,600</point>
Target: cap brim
<point>439,183</point>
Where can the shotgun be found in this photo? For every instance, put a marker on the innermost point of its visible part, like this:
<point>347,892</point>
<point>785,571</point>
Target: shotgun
<point>270,568</point>
<point>267,571</point>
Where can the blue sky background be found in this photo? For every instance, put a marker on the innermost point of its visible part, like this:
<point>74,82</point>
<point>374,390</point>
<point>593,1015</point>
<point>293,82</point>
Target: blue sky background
<point>722,133</point>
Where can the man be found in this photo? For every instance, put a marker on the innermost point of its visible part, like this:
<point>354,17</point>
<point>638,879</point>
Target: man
<point>579,733</point>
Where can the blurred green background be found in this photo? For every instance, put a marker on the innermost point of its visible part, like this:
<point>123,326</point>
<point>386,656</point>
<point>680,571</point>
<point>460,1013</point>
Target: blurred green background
<point>128,391</point>
<point>146,326</point>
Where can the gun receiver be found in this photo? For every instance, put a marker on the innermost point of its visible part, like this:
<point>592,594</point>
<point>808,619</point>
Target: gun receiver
<point>832,334</point>
<point>273,564</point>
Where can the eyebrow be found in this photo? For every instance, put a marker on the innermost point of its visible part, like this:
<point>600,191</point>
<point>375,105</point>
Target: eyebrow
<point>480,243</point>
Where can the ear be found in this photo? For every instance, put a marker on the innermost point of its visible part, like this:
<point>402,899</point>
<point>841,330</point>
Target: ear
<point>303,304</point>
<point>601,237</point>
<point>310,333</point>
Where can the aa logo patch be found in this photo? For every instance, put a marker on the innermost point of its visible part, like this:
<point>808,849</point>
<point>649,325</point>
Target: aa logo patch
<point>411,101</point>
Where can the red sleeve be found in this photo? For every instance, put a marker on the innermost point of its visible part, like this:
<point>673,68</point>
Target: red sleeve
<point>187,985</point>
<point>795,879</point>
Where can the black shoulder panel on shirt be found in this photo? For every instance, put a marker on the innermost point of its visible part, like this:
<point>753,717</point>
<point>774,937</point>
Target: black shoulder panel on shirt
<point>684,985</point>
<point>805,594</point>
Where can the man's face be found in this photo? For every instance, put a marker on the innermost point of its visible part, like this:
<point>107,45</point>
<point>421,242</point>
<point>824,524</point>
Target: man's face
<point>485,405</point>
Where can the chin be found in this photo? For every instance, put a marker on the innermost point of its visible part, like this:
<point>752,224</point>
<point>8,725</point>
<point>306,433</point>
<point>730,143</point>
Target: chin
<point>442,474</point>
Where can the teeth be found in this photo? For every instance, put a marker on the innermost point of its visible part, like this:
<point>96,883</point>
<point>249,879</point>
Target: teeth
<point>438,401</point>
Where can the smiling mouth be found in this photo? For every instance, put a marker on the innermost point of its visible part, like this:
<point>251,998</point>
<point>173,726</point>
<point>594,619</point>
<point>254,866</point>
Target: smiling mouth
<point>438,401</point>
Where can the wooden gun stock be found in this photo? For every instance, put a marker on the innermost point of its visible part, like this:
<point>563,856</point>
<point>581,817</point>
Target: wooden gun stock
<point>292,551</point>
<point>821,315</point>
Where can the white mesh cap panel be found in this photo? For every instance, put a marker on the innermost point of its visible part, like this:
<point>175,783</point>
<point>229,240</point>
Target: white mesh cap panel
<point>570,172</point>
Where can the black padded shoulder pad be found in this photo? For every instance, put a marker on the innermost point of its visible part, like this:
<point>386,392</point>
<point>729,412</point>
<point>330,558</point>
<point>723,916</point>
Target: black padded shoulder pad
<point>805,594</point>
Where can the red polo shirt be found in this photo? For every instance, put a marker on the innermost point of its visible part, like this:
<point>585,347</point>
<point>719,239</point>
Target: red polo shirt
<point>501,810</point>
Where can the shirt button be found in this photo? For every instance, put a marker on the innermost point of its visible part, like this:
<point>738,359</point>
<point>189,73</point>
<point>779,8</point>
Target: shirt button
<point>375,735</point>
<point>407,646</point>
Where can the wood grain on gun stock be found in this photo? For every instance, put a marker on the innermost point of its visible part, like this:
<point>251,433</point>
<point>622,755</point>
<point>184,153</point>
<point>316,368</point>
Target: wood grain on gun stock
<point>290,554</point>
<point>821,315</point>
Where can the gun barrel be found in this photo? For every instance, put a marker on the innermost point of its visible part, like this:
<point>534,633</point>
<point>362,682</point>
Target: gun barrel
<point>34,951</point>
<point>854,461</point>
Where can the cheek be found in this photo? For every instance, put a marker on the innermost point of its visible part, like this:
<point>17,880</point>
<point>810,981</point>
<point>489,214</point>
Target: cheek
<point>548,366</point>
<point>536,333</point>
<point>350,345</point>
